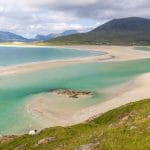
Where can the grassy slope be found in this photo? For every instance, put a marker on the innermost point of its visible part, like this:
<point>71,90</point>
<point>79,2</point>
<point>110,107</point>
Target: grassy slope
<point>124,31</point>
<point>112,130</point>
<point>103,38</point>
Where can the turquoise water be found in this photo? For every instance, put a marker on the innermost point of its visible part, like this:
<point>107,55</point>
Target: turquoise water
<point>16,89</point>
<point>21,55</point>
<point>143,48</point>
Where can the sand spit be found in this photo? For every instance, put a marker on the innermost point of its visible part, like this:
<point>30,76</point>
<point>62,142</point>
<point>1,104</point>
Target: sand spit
<point>113,53</point>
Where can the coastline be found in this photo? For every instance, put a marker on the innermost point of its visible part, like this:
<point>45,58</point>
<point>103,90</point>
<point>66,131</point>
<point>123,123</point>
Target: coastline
<point>139,89</point>
<point>123,96</point>
<point>132,91</point>
<point>113,53</point>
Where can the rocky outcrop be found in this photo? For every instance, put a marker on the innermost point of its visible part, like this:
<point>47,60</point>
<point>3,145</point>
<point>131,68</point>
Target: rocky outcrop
<point>93,117</point>
<point>44,141</point>
<point>73,93</point>
<point>6,138</point>
<point>21,147</point>
<point>90,146</point>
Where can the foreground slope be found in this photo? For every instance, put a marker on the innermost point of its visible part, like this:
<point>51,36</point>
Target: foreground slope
<point>125,31</point>
<point>124,128</point>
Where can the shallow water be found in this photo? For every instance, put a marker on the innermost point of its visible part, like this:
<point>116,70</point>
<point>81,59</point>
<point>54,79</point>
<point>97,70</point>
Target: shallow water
<point>21,55</point>
<point>16,90</point>
<point>142,48</point>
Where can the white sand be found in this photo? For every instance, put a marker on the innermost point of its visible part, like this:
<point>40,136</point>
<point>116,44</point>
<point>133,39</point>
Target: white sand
<point>134,90</point>
<point>114,53</point>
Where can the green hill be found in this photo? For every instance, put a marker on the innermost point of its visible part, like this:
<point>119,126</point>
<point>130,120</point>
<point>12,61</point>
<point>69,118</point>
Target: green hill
<point>124,128</point>
<point>125,31</point>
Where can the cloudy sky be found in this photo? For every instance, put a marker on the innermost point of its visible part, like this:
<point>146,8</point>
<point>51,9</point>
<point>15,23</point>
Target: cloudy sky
<point>31,17</point>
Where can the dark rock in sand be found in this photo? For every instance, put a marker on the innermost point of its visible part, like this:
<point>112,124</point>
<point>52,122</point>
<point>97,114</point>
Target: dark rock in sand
<point>72,93</point>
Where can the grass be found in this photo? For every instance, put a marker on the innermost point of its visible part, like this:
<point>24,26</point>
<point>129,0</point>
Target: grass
<point>124,128</point>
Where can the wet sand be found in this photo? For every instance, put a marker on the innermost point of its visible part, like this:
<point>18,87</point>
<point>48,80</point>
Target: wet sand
<point>113,53</point>
<point>137,88</point>
<point>134,90</point>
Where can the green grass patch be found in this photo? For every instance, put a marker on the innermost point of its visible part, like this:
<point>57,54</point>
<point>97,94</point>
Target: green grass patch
<point>124,128</point>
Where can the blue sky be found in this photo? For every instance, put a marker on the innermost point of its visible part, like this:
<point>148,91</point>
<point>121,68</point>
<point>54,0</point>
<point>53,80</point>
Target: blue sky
<point>31,17</point>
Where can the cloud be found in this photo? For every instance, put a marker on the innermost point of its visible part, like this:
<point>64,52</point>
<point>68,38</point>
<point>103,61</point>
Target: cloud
<point>96,9</point>
<point>31,17</point>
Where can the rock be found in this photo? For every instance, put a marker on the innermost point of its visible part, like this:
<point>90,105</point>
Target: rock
<point>20,147</point>
<point>111,125</point>
<point>6,138</point>
<point>133,127</point>
<point>72,93</point>
<point>125,118</point>
<point>90,146</point>
<point>148,127</point>
<point>44,141</point>
<point>148,116</point>
<point>93,118</point>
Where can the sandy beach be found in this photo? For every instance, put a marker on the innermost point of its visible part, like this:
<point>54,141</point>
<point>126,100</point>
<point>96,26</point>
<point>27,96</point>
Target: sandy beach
<point>41,107</point>
<point>134,90</point>
<point>113,53</point>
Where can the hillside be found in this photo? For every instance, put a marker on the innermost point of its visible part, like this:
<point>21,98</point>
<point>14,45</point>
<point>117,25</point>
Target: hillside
<point>124,128</point>
<point>125,31</point>
<point>11,37</point>
<point>53,35</point>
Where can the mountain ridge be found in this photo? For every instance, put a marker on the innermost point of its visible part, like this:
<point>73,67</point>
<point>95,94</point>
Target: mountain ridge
<point>54,35</point>
<point>123,31</point>
<point>12,37</point>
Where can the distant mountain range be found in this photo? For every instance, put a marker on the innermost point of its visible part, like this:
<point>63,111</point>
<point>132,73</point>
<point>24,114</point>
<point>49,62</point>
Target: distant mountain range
<point>125,31</point>
<point>11,37</point>
<point>53,35</point>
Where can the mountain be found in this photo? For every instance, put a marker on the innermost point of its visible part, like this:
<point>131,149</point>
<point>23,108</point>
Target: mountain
<point>124,31</point>
<point>53,35</point>
<point>69,32</point>
<point>132,24</point>
<point>45,37</point>
<point>11,37</point>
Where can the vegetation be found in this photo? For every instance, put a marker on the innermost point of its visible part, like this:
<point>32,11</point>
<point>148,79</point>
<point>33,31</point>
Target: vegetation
<point>124,128</point>
<point>126,31</point>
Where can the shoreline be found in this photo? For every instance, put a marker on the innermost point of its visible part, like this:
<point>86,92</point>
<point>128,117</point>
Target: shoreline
<point>131,91</point>
<point>112,53</point>
<point>21,68</point>
<point>121,95</point>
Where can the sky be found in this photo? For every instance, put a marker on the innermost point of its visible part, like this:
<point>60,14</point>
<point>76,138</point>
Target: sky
<point>32,17</point>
